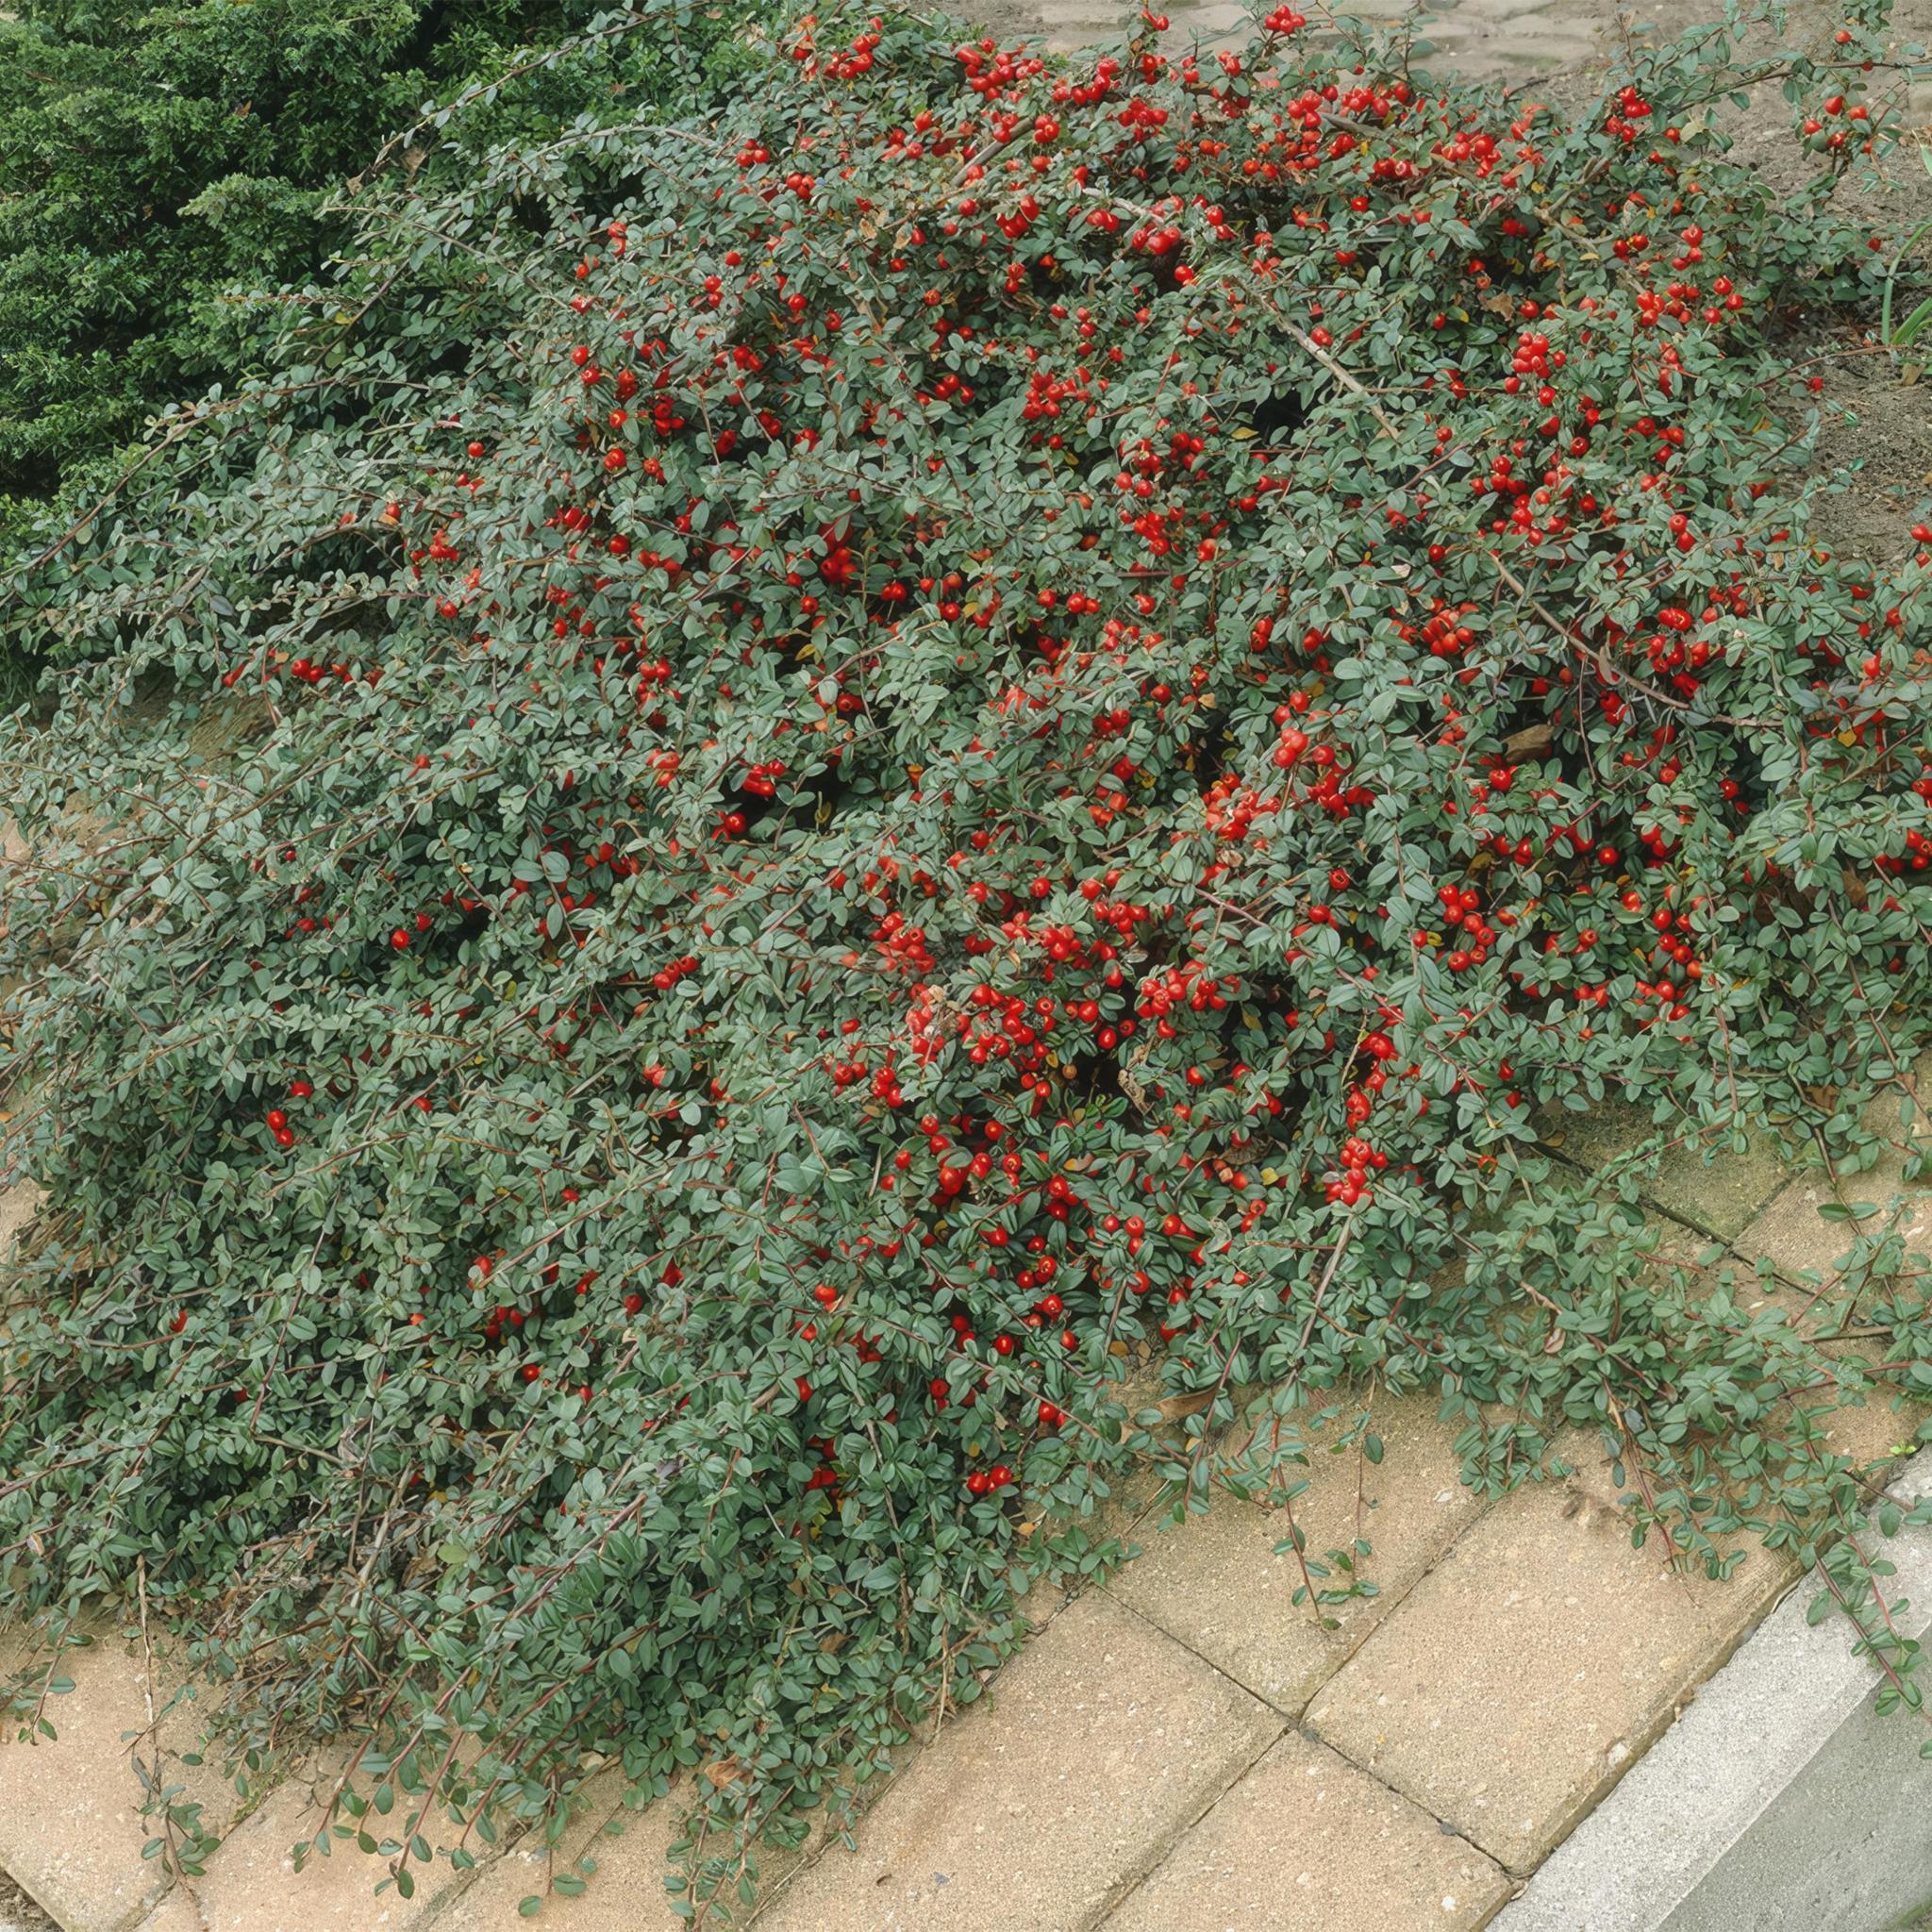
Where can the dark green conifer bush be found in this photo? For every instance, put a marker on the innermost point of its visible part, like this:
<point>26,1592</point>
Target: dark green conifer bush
<point>813,801</point>
<point>160,163</point>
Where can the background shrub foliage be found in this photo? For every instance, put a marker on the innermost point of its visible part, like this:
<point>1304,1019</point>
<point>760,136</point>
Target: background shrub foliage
<point>804,785</point>
<point>158,163</point>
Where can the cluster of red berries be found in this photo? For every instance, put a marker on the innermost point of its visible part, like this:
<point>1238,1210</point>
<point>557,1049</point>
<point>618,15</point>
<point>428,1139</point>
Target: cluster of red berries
<point>277,1118</point>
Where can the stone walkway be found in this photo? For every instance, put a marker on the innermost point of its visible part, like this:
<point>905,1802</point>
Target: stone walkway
<point>1498,39</point>
<point>1181,1747</point>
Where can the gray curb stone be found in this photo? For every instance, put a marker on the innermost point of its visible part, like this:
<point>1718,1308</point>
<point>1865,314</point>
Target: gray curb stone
<point>1779,1802</point>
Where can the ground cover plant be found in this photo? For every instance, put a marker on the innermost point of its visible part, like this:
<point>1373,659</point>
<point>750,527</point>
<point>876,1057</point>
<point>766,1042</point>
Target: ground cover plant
<point>832,825</point>
<point>154,161</point>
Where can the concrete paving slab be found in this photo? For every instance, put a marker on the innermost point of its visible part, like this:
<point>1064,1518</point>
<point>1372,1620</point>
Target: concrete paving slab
<point>1806,1249</point>
<point>1305,1842</point>
<point>625,1872</point>
<point>1534,1663</point>
<point>1216,1583</point>
<point>251,1884</point>
<point>1042,1805</point>
<point>1779,1802</point>
<point>1793,1237</point>
<point>1877,1427</point>
<point>71,1824</point>
<point>626,1888</point>
<point>1801,1243</point>
<point>18,1204</point>
<point>178,1911</point>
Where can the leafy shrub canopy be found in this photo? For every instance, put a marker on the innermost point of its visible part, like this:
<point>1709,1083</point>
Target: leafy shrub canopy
<point>810,792</point>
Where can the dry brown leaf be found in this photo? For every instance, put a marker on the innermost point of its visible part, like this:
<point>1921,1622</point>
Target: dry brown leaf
<point>1173,1408</point>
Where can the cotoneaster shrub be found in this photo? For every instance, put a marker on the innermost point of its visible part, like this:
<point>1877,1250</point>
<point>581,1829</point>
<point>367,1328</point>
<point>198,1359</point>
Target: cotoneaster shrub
<point>817,801</point>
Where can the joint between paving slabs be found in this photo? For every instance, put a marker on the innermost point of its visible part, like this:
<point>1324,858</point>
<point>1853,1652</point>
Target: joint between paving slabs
<point>1709,1235</point>
<point>1166,1848</point>
<point>1641,1739</point>
<point>1750,1263</point>
<point>1175,1841</point>
<point>1657,1207</point>
<point>1298,1724</point>
<point>1343,1657</point>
